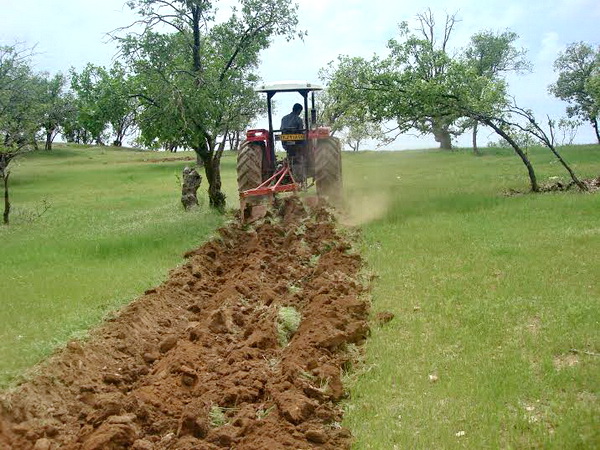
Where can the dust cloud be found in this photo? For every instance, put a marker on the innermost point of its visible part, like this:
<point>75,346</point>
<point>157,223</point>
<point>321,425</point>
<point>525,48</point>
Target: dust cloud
<point>362,209</point>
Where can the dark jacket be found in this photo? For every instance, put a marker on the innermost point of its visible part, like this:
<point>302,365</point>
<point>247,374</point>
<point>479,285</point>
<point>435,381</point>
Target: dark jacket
<point>292,122</point>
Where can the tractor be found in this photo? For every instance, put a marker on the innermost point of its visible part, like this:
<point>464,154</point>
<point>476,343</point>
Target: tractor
<point>316,158</point>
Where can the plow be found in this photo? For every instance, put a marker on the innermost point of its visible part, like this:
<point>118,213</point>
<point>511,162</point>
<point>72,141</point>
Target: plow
<point>312,156</point>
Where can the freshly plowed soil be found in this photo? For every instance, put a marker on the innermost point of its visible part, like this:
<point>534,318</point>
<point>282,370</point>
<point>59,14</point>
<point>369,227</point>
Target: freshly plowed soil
<point>197,363</point>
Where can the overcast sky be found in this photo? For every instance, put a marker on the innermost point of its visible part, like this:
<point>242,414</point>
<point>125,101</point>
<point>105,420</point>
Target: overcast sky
<point>71,33</point>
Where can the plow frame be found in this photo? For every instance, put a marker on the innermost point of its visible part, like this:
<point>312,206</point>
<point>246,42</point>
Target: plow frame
<point>268,188</point>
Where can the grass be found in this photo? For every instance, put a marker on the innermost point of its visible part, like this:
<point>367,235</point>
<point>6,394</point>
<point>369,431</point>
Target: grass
<point>114,228</point>
<point>490,294</point>
<point>288,321</point>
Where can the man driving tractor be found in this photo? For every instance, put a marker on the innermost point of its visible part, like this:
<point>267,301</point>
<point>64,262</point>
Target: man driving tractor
<point>292,123</point>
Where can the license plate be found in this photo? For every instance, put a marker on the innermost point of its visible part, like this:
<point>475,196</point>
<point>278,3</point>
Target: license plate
<point>292,137</point>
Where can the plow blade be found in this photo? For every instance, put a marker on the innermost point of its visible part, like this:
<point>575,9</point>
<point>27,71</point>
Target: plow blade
<point>251,213</point>
<point>254,203</point>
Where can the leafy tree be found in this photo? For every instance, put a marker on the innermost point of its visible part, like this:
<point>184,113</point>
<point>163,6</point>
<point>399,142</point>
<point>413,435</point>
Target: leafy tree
<point>104,98</point>
<point>403,86</point>
<point>72,129</point>
<point>491,55</point>
<point>593,88</point>
<point>90,115</point>
<point>578,67</point>
<point>118,102</point>
<point>356,133</point>
<point>18,121</point>
<point>341,110</point>
<point>504,116</point>
<point>53,105</point>
<point>195,83</point>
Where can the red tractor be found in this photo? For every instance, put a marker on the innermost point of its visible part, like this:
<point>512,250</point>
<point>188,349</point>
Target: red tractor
<point>316,157</point>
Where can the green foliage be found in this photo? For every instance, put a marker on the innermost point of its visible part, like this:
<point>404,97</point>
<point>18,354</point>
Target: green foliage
<point>492,54</point>
<point>288,321</point>
<point>420,86</point>
<point>343,112</point>
<point>104,98</point>
<point>216,416</point>
<point>195,83</point>
<point>54,106</point>
<point>18,113</point>
<point>18,101</point>
<point>578,68</point>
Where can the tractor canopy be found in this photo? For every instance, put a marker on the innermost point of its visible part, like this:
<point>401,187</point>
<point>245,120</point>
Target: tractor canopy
<point>288,86</point>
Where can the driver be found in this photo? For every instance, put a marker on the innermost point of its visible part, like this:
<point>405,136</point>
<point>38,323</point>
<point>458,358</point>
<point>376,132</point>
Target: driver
<point>293,122</point>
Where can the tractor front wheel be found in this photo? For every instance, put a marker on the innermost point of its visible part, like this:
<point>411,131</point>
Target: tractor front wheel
<point>328,168</point>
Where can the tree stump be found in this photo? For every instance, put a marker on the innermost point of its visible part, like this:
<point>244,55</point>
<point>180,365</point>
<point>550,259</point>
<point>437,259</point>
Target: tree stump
<point>191,183</point>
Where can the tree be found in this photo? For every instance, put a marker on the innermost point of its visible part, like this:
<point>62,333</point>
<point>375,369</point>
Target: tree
<point>72,129</point>
<point>357,132</point>
<point>105,98</point>
<point>402,86</point>
<point>18,122</point>
<point>343,114</point>
<point>577,66</point>
<point>195,83</point>
<point>593,88</point>
<point>491,55</point>
<point>423,59</point>
<point>53,105</point>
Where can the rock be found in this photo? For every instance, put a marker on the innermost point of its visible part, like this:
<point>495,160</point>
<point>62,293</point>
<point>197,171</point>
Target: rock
<point>112,378</point>
<point>316,436</point>
<point>218,322</point>
<point>142,444</point>
<point>150,357</point>
<point>167,343</point>
<point>111,436</point>
<point>124,419</point>
<point>295,406</point>
<point>43,444</point>
<point>384,317</point>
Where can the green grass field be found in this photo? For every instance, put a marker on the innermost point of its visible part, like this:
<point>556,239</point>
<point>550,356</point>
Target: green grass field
<point>114,228</point>
<point>491,293</point>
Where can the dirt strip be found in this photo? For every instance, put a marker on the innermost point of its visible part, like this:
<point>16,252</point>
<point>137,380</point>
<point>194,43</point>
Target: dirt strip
<point>200,361</point>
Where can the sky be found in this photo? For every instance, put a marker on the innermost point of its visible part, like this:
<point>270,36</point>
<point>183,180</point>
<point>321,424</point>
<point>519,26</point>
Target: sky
<point>71,33</point>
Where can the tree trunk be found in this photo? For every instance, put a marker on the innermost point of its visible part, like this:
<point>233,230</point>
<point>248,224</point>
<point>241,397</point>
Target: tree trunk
<point>475,148</point>
<point>212,170</point>
<point>196,15</point>
<point>574,178</point>
<point>191,183</point>
<point>522,155</point>
<point>442,135</point>
<point>595,125</point>
<point>210,158</point>
<point>49,140</point>
<point>5,175</point>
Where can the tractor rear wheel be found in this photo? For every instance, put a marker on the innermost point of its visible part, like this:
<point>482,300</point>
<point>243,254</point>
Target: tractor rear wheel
<point>328,168</point>
<point>249,166</point>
